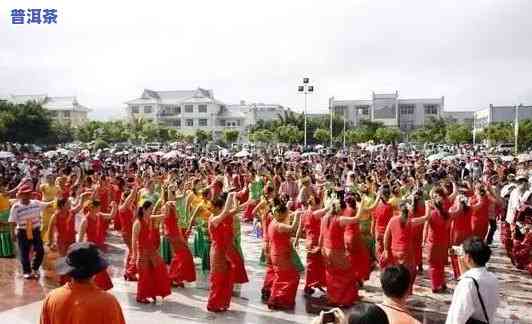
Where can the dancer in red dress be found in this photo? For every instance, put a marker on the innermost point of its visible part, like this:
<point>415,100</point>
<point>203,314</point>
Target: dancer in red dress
<point>357,252</point>
<point>461,224</point>
<point>221,272</point>
<point>315,269</point>
<point>153,280</point>
<point>399,240</point>
<point>182,266</point>
<point>480,218</point>
<point>126,218</point>
<point>342,288</point>
<point>417,210</point>
<point>381,216</point>
<point>286,276</point>
<point>94,229</point>
<point>63,225</point>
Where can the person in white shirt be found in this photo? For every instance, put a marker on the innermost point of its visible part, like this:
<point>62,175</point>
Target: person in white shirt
<point>26,214</point>
<point>515,198</point>
<point>466,302</point>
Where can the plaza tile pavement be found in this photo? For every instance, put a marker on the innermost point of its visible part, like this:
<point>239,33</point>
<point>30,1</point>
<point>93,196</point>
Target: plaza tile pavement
<point>20,301</point>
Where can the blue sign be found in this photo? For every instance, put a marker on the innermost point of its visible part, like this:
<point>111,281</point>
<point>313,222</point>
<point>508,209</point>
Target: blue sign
<point>33,16</point>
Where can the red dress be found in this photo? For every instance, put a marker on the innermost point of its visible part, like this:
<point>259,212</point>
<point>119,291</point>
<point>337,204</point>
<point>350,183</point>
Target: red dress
<point>65,223</point>
<point>417,236</point>
<point>402,243</point>
<point>96,230</point>
<point>342,288</point>
<point>286,277</point>
<point>438,245</point>
<point>461,226</point>
<point>221,275</point>
<point>126,218</point>
<point>382,215</point>
<point>315,274</point>
<point>153,276</point>
<point>182,266</point>
<point>480,219</point>
<point>357,252</point>
<point>268,276</point>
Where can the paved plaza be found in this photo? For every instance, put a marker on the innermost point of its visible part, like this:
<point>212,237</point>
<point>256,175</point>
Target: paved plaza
<point>20,300</point>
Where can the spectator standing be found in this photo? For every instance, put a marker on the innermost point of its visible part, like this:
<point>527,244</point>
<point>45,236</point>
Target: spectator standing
<point>476,295</point>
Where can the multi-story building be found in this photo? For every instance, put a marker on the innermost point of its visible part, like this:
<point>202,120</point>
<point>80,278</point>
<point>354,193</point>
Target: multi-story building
<point>459,116</point>
<point>389,109</point>
<point>190,110</point>
<point>494,114</point>
<point>258,111</point>
<point>65,110</point>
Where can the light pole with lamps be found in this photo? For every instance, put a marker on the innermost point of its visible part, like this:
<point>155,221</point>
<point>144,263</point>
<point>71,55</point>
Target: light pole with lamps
<point>306,88</point>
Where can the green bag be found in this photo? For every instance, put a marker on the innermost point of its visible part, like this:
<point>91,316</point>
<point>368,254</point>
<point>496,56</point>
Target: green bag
<point>6,245</point>
<point>297,260</point>
<point>166,250</point>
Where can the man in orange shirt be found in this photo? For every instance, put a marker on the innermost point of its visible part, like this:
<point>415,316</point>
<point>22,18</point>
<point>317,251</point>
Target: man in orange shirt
<point>79,301</point>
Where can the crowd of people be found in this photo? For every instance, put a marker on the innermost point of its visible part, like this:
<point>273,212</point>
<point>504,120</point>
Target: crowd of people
<point>356,212</point>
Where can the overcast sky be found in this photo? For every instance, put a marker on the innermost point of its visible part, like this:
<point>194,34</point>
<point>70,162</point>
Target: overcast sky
<point>472,52</point>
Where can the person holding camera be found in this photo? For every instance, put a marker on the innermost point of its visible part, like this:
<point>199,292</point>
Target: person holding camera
<point>475,298</point>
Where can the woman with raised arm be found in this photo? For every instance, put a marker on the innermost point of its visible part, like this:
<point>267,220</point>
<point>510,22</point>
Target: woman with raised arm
<point>342,288</point>
<point>94,229</point>
<point>399,240</point>
<point>315,270</point>
<point>221,271</point>
<point>126,217</point>
<point>153,280</point>
<point>182,265</point>
<point>358,254</point>
<point>417,210</point>
<point>285,273</point>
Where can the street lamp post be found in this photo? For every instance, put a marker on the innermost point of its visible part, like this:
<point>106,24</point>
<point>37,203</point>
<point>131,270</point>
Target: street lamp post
<point>306,88</point>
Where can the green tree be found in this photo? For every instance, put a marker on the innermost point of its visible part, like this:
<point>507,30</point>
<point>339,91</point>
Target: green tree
<point>387,135</point>
<point>458,134</point>
<point>358,135</point>
<point>24,123</point>
<point>100,144</point>
<point>502,132</point>
<point>61,133</point>
<point>289,134</point>
<point>230,135</point>
<point>322,135</point>
<point>202,137</point>
<point>262,136</point>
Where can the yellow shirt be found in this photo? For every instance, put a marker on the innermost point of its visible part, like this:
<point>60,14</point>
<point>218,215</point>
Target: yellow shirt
<point>49,193</point>
<point>394,201</point>
<point>4,203</point>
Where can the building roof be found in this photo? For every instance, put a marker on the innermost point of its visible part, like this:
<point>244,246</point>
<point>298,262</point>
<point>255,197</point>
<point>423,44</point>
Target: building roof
<point>50,103</point>
<point>231,113</point>
<point>199,95</point>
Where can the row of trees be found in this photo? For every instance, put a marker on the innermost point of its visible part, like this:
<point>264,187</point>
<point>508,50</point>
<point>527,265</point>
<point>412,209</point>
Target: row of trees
<point>31,124</point>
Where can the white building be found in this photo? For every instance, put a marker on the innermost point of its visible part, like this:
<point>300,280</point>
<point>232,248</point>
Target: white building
<point>459,116</point>
<point>190,110</point>
<point>258,111</point>
<point>65,110</point>
<point>495,114</point>
<point>389,109</point>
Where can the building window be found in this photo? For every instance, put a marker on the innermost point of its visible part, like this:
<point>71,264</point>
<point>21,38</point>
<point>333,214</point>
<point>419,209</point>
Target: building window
<point>190,122</point>
<point>175,122</point>
<point>406,109</point>
<point>230,123</point>
<point>202,108</point>
<point>66,114</point>
<point>134,109</point>
<point>202,122</point>
<point>189,108</point>
<point>177,110</point>
<point>340,109</point>
<point>147,109</point>
<point>364,110</point>
<point>431,109</point>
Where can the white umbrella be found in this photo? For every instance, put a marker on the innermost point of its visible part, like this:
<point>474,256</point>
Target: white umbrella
<point>64,152</point>
<point>6,155</point>
<point>50,154</point>
<point>309,154</point>
<point>292,155</point>
<point>524,157</point>
<point>170,155</point>
<point>506,158</point>
<point>242,153</point>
